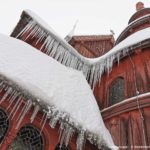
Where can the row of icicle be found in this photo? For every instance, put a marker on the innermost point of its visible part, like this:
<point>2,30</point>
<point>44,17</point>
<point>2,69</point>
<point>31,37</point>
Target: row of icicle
<point>64,53</point>
<point>18,100</point>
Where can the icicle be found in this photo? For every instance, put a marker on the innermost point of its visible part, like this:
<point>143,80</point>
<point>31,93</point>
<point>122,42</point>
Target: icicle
<point>54,119</point>
<point>63,133</point>
<point>46,42</point>
<point>1,82</point>
<point>32,32</point>
<point>22,110</point>
<point>35,111</point>
<point>27,108</point>
<point>2,87</point>
<point>29,26</point>
<point>12,97</point>
<point>43,116</point>
<point>41,37</point>
<point>90,137</point>
<point>54,49</point>
<point>59,52</point>
<point>44,122</point>
<point>62,127</point>
<point>9,90</point>
<point>49,46</point>
<point>69,134</point>
<point>118,58</point>
<point>81,140</point>
<point>17,108</point>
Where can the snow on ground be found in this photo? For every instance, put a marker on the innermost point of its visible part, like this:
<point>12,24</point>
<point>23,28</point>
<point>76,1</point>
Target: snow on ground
<point>52,83</point>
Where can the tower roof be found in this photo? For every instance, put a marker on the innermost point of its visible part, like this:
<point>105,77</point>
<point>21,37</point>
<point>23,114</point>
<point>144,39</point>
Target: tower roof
<point>140,12</point>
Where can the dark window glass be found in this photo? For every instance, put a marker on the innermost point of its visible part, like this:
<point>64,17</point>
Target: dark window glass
<point>4,124</point>
<point>117,91</point>
<point>28,138</point>
<point>61,147</point>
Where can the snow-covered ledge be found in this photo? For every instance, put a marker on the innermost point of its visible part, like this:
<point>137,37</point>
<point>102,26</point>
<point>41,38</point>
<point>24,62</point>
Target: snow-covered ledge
<point>142,100</point>
<point>61,93</point>
<point>60,50</point>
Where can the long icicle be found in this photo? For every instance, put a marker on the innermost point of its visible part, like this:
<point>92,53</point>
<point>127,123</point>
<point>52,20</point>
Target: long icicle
<point>35,111</point>
<point>69,134</point>
<point>15,106</point>
<point>44,122</point>
<point>81,140</point>
<point>19,105</point>
<point>9,90</point>
<point>27,108</point>
<point>12,98</point>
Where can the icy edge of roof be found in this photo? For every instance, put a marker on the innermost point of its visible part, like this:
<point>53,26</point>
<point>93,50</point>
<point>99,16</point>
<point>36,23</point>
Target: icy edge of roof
<point>60,50</point>
<point>50,31</point>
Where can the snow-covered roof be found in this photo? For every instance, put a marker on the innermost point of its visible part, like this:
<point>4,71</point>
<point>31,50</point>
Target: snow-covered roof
<point>61,92</point>
<point>93,68</point>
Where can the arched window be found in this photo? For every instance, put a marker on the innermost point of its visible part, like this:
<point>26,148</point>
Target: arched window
<point>4,124</point>
<point>28,138</point>
<point>117,91</point>
<point>61,147</point>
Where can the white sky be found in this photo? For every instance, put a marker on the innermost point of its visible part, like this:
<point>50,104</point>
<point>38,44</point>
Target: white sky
<point>95,16</point>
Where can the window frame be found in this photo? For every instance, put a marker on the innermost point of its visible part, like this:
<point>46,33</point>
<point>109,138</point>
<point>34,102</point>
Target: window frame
<point>33,127</point>
<point>110,85</point>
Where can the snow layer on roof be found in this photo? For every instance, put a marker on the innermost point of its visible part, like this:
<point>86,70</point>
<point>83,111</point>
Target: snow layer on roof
<point>53,84</point>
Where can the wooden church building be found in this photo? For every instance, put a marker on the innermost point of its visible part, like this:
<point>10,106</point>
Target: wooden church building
<point>118,72</point>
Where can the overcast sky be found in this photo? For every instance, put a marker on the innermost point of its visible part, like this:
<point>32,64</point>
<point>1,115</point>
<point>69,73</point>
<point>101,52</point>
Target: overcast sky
<point>94,16</point>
